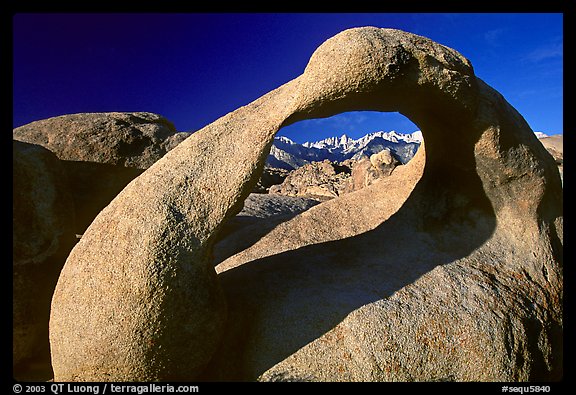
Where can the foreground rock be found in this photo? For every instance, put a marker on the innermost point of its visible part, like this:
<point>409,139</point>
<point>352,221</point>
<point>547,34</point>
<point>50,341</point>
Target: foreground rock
<point>42,237</point>
<point>261,214</point>
<point>81,164</point>
<point>463,281</point>
<point>102,152</point>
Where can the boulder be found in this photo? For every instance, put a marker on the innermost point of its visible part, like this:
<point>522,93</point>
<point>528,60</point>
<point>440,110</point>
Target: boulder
<point>384,162</point>
<point>367,170</point>
<point>91,165</point>
<point>134,140</point>
<point>42,237</point>
<point>362,175</point>
<point>102,152</point>
<point>555,146</point>
<point>461,280</point>
<point>316,180</point>
<point>270,177</point>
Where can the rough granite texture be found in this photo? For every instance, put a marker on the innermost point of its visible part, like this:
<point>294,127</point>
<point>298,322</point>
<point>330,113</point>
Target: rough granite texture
<point>316,180</point>
<point>129,139</point>
<point>555,146</point>
<point>42,237</point>
<point>102,152</point>
<point>461,281</point>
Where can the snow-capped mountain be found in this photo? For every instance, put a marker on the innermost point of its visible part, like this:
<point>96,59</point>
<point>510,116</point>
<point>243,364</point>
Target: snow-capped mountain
<point>331,143</point>
<point>344,142</point>
<point>287,154</point>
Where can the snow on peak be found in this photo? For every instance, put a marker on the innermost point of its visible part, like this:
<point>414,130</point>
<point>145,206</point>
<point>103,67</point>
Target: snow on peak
<point>290,155</point>
<point>417,136</point>
<point>344,142</point>
<point>341,142</point>
<point>285,139</point>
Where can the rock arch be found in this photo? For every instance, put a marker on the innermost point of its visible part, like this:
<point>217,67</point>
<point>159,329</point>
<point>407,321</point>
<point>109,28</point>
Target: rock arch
<point>138,298</point>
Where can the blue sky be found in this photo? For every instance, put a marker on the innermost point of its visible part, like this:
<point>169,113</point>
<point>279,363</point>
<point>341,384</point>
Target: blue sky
<point>195,68</point>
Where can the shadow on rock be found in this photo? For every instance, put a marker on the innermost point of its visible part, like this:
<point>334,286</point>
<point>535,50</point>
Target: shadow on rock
<point>280,303</point>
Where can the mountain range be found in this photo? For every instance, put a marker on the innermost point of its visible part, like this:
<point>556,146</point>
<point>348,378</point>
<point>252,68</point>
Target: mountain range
<point>289,155</point>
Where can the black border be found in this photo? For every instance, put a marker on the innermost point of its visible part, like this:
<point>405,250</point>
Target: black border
<point>566,7</point>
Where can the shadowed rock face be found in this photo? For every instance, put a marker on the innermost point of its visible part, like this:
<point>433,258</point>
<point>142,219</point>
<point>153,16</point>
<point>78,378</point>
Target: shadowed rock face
<point>42,236</point>
<point>101,152</point>
<point>65,170</point>
<point>463,281</point>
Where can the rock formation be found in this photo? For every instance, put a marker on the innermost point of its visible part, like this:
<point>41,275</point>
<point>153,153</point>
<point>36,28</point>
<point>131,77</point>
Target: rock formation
<point>42,237</point>
<point>316,180</point>
<point>384,162</point>
<point>461,281</point>
<point>270,176</point>
<point>555,146</point>
<point>367,170</point>
<point>102,152</point>
<point>81,163</point>
<point>327,180</point>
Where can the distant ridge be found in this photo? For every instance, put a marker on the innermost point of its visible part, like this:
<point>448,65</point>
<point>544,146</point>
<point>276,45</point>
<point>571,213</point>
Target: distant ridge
<point>346,142</point>
<point>286,154</point>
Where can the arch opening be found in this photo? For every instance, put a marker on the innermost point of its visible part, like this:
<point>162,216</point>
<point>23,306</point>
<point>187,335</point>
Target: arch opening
<point>316,160</point>
<point>341,140</point>
<point>449,199</point>
<point>351,252</point>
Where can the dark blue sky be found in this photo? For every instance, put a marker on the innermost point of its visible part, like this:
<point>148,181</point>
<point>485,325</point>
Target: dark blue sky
<point>195,68</point>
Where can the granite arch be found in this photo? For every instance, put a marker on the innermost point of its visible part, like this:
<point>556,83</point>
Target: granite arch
<point>118,312</point>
